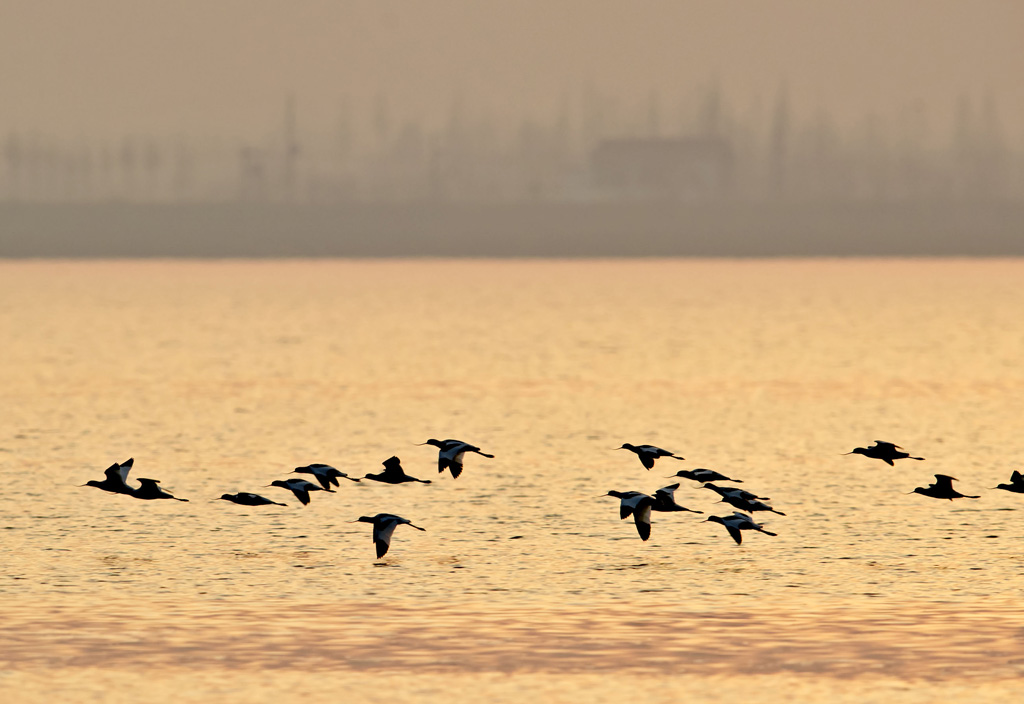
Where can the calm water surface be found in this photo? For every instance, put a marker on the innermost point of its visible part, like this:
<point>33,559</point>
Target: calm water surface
<point>223,376</point>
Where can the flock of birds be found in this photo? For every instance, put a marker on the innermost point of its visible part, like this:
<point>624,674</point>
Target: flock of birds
<point>631,503</point>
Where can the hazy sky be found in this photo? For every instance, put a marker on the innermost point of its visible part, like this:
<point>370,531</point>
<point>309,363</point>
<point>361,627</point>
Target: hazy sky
<point>105,67</point>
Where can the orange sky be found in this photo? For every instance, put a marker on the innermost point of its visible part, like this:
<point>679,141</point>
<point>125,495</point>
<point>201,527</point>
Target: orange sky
<point>105,67</point>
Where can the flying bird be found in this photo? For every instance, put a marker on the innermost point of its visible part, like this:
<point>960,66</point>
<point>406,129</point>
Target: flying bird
<point>450,454</point>
<point>638,505</point>
<point>885,451</point>
<point>116,481</point>
<point>724,491</point>
<point>246,499</point>
<point>664,500</point>
<point>325,474</point>
<point>149,490</point>
<point>738,522</point>
<point>384,525</point>
<point>393,473</point>
<point>942,489</point>
<point>1016,484</point>
<point>299,487</point>
<point>749,505</point>
<point>704,475</point>
<point>648,453</point>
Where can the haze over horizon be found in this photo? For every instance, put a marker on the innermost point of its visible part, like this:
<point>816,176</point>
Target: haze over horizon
<point>111,67</point>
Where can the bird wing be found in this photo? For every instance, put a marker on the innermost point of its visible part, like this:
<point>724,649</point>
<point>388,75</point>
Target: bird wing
<point>646,458</point>
<point>1016,477</point>
<point>944,482</point>
<point>383,529</point>
<point>393,467</point>
<point>734,532</point>
<point>642,518</point>
<point>124,468</point>
<point>667,492</point>
<point>113,473</point>
<point>882,444</point>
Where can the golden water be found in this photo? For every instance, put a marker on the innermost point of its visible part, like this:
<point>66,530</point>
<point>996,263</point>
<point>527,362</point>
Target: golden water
<point>223,376</point>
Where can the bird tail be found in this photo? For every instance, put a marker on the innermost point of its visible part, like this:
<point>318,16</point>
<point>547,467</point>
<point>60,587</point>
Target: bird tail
<point>915,458</point>
<point>778,512</point>
<point>767,532</point>
<point>484,454</point>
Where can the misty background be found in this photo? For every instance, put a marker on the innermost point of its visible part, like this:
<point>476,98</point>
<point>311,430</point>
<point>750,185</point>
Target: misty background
<point>455,127</point>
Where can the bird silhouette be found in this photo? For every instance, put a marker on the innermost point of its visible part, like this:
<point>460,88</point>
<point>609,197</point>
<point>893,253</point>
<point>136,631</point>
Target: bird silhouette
<point>450,453</point>
<point>664,500</point>
<point>748,505</point>
<point>885,451</point>
<point>638,505</point>
<point>384,525</point>
<point>325,474</point>
<point>1016,484</point>
<point>116,478</point>
<point>739,522</point>
<point>705,475</point>
<point>149,490</point>
<point>724,491</point>
<point>299,487</point>
<point>942,489</point>
<point>394,474</point>
<point>648,453</point>
<point>247,499</point>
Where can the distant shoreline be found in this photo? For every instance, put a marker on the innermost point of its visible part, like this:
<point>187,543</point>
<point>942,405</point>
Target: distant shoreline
<point>543,229</point>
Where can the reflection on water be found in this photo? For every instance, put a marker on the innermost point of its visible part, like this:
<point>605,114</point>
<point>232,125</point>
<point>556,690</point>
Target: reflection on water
<point>220,377</point>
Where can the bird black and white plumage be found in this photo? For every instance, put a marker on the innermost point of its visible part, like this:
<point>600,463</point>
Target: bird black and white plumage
<point>638,505</point>
<point>450,453</point>
<point>738,522</point>
<point>1016,484</point>
<point>393,473</point>
<point>115,478</point>
<point>325,474</point>
<point>664,500</point>
<point>648,453</point>
<point>704,475</point>
<point>299,487</point>
<point>943,489</point>
<point>885,451</point>
<point>724,491</point>
<point>150,490</point>
<point>384,525</point>
<point>749,505</point>
<point>244,498</point>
